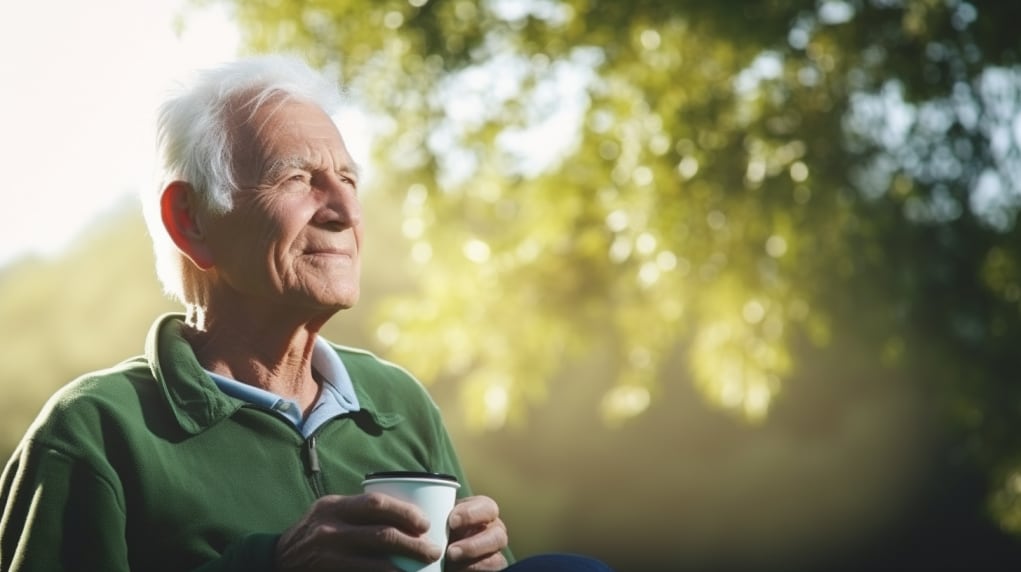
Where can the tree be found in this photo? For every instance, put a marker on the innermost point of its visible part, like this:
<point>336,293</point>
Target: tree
<point>768,193</point>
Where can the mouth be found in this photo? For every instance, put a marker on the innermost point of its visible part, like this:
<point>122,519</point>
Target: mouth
<point>328,252</point>
<point>328,249</point>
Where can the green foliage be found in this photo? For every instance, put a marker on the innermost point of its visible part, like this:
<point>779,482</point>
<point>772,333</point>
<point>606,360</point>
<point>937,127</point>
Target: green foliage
<point>595,213</point>
<point>716,185</point>
<point>752,188</point>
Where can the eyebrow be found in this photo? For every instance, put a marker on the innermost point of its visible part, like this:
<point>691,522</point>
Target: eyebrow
<point>278,167</point>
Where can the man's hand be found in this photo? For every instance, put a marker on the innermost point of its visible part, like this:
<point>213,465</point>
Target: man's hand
<point>355,533</point>
<point>477,535</point>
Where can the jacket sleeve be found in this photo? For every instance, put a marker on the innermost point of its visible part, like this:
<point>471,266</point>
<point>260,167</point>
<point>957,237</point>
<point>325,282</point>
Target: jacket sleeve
<point>444,456</point>
<point>59,515</point>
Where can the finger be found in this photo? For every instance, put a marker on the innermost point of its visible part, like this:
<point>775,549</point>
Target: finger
<point>343,539</point>
<point>486,542</point>
<point>387,540</point>
<point>328,547</point>
<point>473,511</point>
<point>376,508</point>
<point>338,528</point>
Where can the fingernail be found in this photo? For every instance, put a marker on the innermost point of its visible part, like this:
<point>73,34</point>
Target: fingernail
<point>454,521</point>
<point>454,552</point>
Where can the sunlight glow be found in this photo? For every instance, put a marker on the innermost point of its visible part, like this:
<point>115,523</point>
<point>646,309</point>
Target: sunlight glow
<point>738,361</point>
<point>687,168</point>
<point>388,333</point>
<point>413,228</point>
<point>624,402</point>
<point>78,112</point>
<point>617,220</point>
<point>645,244</point>
<point>496,402</point>
<point>476,250</point>
<point>648,274</point>
<point>776,246</point>
<point>421,252</point>
<point>620,249</point>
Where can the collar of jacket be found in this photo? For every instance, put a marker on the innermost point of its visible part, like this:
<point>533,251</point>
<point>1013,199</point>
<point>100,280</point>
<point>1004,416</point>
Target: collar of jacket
<point>196,402</point>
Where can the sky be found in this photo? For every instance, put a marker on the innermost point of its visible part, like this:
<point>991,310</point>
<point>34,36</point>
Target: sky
<point>81,80</point>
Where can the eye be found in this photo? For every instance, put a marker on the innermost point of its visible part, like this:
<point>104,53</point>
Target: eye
<point>300,178</point>
<point>347,179</point>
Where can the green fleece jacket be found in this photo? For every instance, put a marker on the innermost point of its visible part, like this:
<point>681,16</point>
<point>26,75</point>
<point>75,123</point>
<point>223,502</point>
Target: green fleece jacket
<point>147,466</point>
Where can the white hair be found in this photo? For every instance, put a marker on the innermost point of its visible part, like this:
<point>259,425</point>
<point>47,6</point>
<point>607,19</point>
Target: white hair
<point>195,145</point>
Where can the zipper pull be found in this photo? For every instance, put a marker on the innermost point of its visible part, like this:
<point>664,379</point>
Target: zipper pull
<point>312,457</point>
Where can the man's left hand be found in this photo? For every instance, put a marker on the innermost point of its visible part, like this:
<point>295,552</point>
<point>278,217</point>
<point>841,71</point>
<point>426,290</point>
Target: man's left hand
<point>477,536</point>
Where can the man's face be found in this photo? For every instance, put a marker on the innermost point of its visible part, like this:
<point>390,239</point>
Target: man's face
<point>293,237</point>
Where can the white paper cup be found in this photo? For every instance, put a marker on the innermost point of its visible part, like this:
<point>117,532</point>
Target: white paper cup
<point>434,493</point>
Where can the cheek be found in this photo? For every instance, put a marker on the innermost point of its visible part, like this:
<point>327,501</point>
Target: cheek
<point>284,226</point>
<point>261,245</point>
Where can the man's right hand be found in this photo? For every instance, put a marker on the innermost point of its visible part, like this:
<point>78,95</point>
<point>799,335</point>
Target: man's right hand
<point>355,532</point>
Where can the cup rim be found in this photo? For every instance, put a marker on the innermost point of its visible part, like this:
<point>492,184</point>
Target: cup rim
<point>380,475</point>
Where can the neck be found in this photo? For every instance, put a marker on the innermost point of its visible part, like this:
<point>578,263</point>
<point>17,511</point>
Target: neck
<point>268,353</point>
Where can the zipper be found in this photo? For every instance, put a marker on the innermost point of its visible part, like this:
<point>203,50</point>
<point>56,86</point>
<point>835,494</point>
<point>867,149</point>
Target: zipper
<point>312,468</point>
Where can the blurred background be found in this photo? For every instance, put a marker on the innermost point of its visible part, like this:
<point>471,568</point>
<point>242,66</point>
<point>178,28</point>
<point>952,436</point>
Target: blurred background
<point>698,285</point>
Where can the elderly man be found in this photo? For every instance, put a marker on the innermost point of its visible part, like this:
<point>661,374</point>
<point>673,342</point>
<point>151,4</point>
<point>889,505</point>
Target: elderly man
<point>239,439</point>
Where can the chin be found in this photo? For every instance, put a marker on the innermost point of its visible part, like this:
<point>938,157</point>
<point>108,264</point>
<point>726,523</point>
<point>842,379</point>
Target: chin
<point>347,305</point>
<point>345,302</point>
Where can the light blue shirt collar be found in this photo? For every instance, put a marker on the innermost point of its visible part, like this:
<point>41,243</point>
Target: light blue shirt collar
<point>337,396</point>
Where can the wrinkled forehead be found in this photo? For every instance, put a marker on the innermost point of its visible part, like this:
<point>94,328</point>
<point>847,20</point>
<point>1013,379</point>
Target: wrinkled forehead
<point>281,128</point>
<point>250,116</point>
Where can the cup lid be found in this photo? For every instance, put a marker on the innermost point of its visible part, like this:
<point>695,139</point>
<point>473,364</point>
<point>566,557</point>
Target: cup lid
<point>410,475</point>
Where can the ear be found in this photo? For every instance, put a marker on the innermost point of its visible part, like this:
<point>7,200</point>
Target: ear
<point>179,211</point>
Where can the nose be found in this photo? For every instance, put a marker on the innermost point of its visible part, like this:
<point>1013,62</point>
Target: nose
<point>340,205</point>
